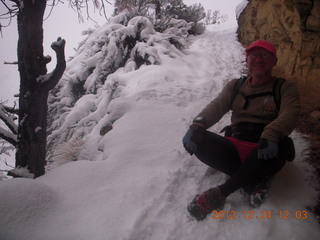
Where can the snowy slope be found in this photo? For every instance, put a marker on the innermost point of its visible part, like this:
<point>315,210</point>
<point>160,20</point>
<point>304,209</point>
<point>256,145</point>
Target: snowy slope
<point>139,179</point>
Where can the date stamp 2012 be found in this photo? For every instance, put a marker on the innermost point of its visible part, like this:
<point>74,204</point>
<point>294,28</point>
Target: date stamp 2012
<point>250,215</point>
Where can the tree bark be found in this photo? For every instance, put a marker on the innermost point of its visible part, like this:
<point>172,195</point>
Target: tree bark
<point>31,147</point>
<point>158,9</point>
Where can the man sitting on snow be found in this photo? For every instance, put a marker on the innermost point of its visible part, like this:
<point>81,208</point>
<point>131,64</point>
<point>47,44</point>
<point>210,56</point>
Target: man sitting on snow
<point>256,144</point>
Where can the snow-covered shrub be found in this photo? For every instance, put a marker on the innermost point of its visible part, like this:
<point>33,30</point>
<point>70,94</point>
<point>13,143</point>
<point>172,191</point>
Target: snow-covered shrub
<point>81,98</point>
<point>191,14</point>
<point>198,28</point>
<point>5,148</point>
<point>67,152</point>
<point>160,12</point>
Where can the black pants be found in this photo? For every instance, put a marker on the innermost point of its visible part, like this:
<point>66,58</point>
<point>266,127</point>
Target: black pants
<point>219,153</point>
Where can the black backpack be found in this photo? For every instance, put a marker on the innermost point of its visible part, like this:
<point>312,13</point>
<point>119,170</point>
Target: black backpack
<point>276,93</point>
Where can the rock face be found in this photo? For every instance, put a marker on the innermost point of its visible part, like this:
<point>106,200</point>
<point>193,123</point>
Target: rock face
<point>294,27</point>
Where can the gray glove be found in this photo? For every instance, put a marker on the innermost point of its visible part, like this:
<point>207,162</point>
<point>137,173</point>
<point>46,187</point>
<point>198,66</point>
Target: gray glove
<point>193,138</point>
<point>267,149</point>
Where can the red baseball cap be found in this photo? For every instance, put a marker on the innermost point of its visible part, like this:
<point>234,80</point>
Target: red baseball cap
<point>263,44</point>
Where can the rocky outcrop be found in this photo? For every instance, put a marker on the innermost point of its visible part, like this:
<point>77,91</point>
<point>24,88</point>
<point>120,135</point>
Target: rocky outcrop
<point>294,27</point>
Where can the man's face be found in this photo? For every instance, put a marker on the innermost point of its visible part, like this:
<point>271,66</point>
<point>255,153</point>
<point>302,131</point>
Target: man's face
<point>260,62</point>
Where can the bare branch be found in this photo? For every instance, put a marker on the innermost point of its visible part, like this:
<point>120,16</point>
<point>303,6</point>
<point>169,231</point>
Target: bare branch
<point>87,8</point>
<point>11,12</point>
<point>103,8</point>
<point>13,63</point>
<point>78,5</point>
<point>50,12</point>
<point>56,74</point>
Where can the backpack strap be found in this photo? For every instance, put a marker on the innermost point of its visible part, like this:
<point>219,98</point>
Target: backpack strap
<point>238,85</point>
<point>277,91</point>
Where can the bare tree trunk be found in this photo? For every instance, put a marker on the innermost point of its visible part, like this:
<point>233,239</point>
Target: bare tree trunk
<point>31,147</point>
<point>158,9</point>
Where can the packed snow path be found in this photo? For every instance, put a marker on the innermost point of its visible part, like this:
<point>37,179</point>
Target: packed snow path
<point>135,182</point>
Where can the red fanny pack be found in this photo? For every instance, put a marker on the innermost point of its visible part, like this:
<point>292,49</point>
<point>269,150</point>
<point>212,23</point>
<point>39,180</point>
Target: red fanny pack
<point>244,148</point>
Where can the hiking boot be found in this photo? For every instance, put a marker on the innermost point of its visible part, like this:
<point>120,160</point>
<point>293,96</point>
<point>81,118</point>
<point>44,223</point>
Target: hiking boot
<point>258,197</point>
<point>203,204</point>
<point>259,193</point>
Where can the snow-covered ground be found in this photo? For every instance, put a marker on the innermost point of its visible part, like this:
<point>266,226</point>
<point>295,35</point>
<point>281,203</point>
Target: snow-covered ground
<point>135,182</point>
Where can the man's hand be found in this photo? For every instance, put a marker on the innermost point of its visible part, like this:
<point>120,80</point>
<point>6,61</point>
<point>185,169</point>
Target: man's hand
<point>267,149</point>
<point>193,138</point>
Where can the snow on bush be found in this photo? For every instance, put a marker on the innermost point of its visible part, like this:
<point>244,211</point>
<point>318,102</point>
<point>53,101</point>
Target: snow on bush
<point>81,98</point>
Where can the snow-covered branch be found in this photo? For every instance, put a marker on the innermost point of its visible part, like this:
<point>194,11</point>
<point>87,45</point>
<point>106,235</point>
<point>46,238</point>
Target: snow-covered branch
<point>5,149</point>
<point>8,136</point>
<point>8,120</point>
<point>11,110</point>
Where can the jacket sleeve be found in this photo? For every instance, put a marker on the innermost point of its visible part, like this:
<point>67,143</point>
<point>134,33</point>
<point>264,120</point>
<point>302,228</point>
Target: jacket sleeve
<point>216,109</point>
<point>288,116</point>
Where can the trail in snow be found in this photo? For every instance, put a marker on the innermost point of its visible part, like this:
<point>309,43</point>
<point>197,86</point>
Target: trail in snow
<point>141,179</point>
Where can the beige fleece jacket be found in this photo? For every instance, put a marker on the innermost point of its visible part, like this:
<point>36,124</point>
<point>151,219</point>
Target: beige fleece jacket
<point>259,110</point>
